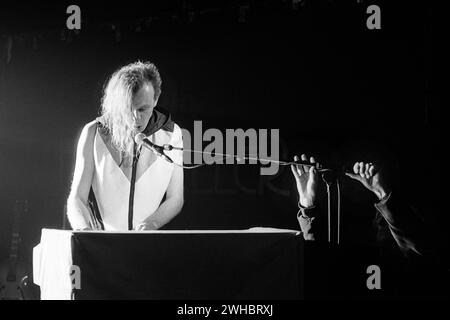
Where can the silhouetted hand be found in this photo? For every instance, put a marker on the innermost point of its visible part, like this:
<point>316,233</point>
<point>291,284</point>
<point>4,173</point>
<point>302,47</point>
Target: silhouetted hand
<point>307,179</point>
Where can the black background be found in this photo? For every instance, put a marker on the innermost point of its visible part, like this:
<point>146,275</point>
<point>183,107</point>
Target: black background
<point>334,88</point>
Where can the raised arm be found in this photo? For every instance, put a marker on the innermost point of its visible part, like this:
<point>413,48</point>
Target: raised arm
<point>78,211</point>
<point>307,180</point>
<point>406,226</point>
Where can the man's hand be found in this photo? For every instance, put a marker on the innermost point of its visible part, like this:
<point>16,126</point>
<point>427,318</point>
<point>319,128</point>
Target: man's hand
<point>307,179</point>
<point>146,226</point>
<point>372,178</point>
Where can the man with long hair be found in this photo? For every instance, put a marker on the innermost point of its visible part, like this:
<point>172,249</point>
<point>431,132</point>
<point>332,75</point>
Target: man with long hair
<point>117,184</point>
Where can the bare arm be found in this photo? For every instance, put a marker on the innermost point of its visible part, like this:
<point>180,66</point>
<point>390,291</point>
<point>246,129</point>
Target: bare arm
<point>78,211</point>
<point>174,193</point>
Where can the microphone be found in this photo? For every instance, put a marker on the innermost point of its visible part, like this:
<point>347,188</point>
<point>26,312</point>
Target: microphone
<point>141,139</point>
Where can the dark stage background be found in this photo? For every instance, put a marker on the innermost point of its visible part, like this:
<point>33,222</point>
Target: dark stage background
<point>312,69</point>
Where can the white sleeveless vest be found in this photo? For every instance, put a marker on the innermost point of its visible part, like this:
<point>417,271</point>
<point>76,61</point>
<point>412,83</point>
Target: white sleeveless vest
<point>112,188</point>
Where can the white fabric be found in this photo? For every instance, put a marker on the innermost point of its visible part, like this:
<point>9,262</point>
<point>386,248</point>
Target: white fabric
<point>112,188</point>
<point>52,263</point>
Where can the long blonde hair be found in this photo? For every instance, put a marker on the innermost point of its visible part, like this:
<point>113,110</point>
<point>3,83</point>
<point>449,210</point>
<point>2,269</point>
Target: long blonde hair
<point>116,109</point>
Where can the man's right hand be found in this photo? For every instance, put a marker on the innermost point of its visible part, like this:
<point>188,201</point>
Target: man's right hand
<point>307,179</point>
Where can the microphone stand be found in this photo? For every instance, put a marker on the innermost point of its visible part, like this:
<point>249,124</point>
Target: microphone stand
<point>328,176</point>
<point>328,179</point>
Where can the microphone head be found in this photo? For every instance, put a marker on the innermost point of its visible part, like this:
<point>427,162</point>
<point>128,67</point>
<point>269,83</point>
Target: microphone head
<point>139,138</point>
